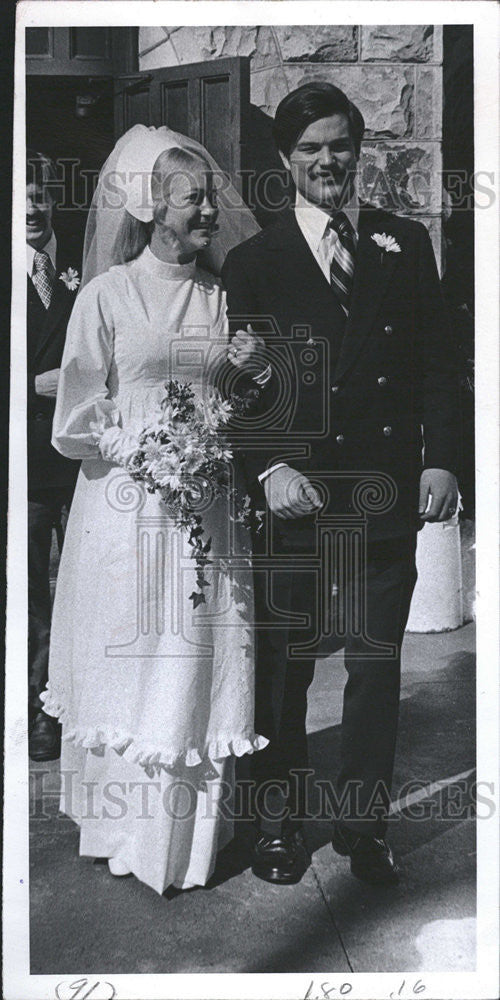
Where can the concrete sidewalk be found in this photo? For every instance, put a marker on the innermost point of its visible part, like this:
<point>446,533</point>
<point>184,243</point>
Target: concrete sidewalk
<point>84,919</point>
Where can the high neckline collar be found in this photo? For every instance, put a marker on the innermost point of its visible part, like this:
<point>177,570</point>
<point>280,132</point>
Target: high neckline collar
<point>162,269</point>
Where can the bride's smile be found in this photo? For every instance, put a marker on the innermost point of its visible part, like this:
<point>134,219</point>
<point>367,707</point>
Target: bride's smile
<point>185,207</point>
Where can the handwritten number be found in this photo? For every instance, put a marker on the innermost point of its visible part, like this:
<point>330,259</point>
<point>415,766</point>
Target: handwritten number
<point>394,996</point>
<point>346,988</point>
<point>418,987</point>
<point>327,990</point>
<point>91,990</point>
<point>80,984</point>
<point>77,986</point>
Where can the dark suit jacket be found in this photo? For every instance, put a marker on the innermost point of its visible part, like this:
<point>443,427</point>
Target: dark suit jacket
<point>361,396</point>
<point>46,333</point>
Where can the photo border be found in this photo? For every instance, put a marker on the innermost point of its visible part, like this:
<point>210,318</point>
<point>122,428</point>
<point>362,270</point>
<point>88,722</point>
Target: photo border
<point>367,986</point>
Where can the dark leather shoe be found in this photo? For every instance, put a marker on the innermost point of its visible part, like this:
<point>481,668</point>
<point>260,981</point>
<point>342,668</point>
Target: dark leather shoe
<point>282,860</point>
<point>45,738</point>
<point>32,714</point>
<point>371,857</point>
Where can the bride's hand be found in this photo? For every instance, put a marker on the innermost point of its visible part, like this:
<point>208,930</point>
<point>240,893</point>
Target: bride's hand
<point>247,351</point>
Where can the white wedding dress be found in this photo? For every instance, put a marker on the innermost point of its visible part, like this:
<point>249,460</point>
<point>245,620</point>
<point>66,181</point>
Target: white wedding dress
<point>156,699</point>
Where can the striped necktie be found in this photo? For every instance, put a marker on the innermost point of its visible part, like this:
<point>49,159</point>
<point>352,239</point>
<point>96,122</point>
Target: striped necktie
<point>43,276</point>
<point>343,259</point>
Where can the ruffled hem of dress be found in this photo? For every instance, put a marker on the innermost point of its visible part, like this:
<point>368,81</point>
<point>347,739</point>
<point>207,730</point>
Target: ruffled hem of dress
<point>152,759</point>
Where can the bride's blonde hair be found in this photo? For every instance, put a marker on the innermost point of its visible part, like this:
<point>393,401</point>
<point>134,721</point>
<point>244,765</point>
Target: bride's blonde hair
<point>169,164</point>
<point>133,235</point>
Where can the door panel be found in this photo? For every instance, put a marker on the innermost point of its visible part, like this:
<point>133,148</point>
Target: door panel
<point>174,105</point>
<point>208,101</point>
<point>131,102</point>
<point>216,120</point>
<point>81,51</point>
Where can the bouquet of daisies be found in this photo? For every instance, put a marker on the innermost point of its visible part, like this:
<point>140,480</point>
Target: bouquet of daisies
<point>184,456</point>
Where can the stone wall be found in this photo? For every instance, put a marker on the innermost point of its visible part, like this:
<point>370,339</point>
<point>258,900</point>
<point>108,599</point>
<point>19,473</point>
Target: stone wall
<point>392,72</point>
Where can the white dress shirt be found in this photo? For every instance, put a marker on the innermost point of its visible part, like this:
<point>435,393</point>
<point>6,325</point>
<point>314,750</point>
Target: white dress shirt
<point>320,238</point>
<point>50,248</point>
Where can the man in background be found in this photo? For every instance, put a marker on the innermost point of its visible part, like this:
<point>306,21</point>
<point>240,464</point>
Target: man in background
<point>52,282</point>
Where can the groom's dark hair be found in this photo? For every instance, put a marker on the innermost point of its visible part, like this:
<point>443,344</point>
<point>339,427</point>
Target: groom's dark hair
<point>308,104</point>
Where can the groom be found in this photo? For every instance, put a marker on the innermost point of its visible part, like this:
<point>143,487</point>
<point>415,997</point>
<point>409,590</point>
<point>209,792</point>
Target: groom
<point>363,384</point>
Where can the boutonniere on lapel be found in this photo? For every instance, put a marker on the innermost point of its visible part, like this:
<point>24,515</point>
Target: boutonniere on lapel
<point>71,279</point>
<point>386,243</point>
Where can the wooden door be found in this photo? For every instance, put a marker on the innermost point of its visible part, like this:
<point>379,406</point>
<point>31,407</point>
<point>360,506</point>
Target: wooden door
<point>208,101</point>
<point>81,51</point>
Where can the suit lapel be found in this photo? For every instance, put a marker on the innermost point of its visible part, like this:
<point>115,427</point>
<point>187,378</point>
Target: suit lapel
<point>372,274</point>
<point>292,245</point>
<point>35,306</point>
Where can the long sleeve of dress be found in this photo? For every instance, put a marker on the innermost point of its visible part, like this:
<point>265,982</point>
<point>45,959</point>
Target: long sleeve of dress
<point>86,419</point>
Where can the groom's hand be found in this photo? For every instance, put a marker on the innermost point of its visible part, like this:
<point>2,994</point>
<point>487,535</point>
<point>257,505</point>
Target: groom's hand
<point>438,495</point>
<point>290,494</point>
<point>248,351</point>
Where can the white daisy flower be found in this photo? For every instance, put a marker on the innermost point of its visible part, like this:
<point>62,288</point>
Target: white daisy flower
<point>387,243</point>
<point>70,278</point>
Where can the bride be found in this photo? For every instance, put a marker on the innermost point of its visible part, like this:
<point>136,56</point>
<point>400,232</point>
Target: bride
<point>155,698</point>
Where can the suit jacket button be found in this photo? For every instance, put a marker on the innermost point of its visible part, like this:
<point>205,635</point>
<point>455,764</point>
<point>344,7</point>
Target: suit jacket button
<point>387,431</point>
<point>388,330</point>
<point>335,388</point>
<point>382,380</point>
<point>340,439</point>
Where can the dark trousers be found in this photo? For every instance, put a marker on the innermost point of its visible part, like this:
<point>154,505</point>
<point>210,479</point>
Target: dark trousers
<point>47,509</point>
<point>382,585</point>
